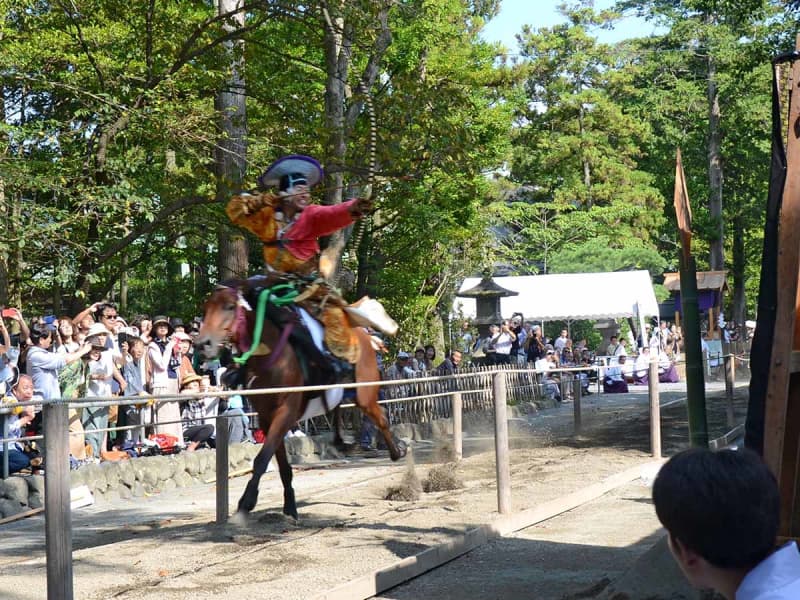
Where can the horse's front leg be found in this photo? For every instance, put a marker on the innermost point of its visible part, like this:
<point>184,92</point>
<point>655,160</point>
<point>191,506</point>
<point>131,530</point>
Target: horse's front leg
<point>289,504</point>
<point>278,427</point>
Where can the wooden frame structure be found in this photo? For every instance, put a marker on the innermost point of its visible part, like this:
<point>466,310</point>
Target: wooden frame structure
<point>782,406</point>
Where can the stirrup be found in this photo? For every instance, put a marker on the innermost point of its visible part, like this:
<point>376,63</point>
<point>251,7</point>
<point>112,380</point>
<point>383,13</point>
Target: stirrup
<point>343,371</point>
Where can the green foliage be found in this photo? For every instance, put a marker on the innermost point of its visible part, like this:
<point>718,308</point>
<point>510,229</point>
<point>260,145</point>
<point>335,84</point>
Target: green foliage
<point>576,155</point>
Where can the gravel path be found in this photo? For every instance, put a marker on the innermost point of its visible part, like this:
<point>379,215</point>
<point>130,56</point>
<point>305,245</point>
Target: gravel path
<point>167,546</point>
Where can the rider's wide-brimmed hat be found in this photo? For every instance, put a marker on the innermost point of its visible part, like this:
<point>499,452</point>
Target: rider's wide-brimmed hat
<point>291,170</point>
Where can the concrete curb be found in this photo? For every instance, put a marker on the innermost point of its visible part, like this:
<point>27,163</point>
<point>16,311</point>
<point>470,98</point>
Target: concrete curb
<point>380,580</point>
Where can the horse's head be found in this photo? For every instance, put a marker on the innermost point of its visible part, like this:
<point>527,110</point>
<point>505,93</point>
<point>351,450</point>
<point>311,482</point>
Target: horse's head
<point>219,319</point>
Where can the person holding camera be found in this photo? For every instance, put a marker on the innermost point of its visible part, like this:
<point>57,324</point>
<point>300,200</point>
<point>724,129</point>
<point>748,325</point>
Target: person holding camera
<point>503,343</point>
<point>518,354</point>
<point>43,365</point>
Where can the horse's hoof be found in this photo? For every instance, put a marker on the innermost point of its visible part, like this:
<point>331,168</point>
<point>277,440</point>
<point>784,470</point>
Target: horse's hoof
<point>291,512</point>
<point>245,506</point>
<point>402,449</point>
<point>239,519</point>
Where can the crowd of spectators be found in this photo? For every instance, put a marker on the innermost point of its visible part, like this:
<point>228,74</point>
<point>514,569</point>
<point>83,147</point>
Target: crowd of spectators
<point>99,355</point>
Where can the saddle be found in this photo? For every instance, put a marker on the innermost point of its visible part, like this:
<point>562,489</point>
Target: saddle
<point>319,365</point>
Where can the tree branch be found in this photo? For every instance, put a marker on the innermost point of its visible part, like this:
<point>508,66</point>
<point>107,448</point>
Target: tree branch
<point>145,228</point>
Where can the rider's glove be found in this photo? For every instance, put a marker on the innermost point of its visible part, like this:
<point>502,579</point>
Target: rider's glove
<point>360,207</point>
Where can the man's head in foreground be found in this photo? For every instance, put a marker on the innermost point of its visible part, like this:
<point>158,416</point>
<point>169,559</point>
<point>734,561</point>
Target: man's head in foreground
<point>721,510</point>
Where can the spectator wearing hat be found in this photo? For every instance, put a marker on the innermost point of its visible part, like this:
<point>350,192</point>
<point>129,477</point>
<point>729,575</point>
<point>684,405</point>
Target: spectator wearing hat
<point>101,372</point>
<point>21,388</point>
<point>195,429</point>
<point>400,369</point>
<point>177,326</point>
<point>183,344</point>
<point>164,376</point>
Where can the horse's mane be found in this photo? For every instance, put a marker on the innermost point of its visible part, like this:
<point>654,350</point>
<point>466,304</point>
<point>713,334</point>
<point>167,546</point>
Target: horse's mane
<point>232,283</point>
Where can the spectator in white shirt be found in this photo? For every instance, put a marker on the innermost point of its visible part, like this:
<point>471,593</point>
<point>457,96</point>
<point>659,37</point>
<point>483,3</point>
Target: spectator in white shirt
<point>502,344</point>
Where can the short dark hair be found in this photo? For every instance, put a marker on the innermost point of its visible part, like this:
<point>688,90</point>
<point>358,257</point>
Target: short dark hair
<point>105,306</point>
<point>39,331</point>
<point>723,505</point>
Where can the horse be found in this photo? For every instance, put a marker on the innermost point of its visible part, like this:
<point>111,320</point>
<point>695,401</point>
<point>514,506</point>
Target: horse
<point>228,317</point>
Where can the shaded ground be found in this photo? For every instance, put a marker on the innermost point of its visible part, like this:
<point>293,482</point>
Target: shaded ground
<point>167,547</point>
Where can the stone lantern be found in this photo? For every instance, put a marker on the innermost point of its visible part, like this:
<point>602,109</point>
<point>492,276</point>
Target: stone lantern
<point>487,296</point>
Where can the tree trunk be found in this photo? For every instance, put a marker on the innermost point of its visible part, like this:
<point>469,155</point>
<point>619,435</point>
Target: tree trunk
<point>4,215</point>
<point>587,169</point>
<point>4,231</point>
<point>337,66</point>
<point>231,152</point>
<point>739,277</point>
<point>716,247</point>
<point>123,284</point>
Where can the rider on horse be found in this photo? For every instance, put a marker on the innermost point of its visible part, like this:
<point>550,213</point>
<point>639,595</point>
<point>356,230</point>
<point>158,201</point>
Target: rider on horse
<point>290,227</point>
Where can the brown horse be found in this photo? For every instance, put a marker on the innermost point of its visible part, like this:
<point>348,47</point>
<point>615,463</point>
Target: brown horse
<point>228,317</point>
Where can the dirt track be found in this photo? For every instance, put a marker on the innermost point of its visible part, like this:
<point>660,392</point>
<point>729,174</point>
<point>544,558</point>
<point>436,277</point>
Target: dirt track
<point>168,548</point>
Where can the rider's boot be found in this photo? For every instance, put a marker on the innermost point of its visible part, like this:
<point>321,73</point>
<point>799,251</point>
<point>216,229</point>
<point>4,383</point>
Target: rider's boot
<point>343,370</point>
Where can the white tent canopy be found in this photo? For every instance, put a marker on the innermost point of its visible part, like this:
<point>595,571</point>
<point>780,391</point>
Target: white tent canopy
<point>570,296</point>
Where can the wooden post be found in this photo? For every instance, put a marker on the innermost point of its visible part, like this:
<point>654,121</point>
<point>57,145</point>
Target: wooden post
<point>58,518</point>
<point>501,443</point>
<point>458,440</point>
<point>730,376</point>
<point>576,403</point>
<point>782,404</point>
<point>655,408</point>
<point>4,421</point>
<point>222,469</point>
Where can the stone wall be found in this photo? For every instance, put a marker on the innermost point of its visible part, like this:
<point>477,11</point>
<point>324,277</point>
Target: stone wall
<point>20,494</point>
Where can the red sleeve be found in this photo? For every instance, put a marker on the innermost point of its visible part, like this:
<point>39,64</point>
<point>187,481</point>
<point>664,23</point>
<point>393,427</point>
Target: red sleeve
<point>319,220</point>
